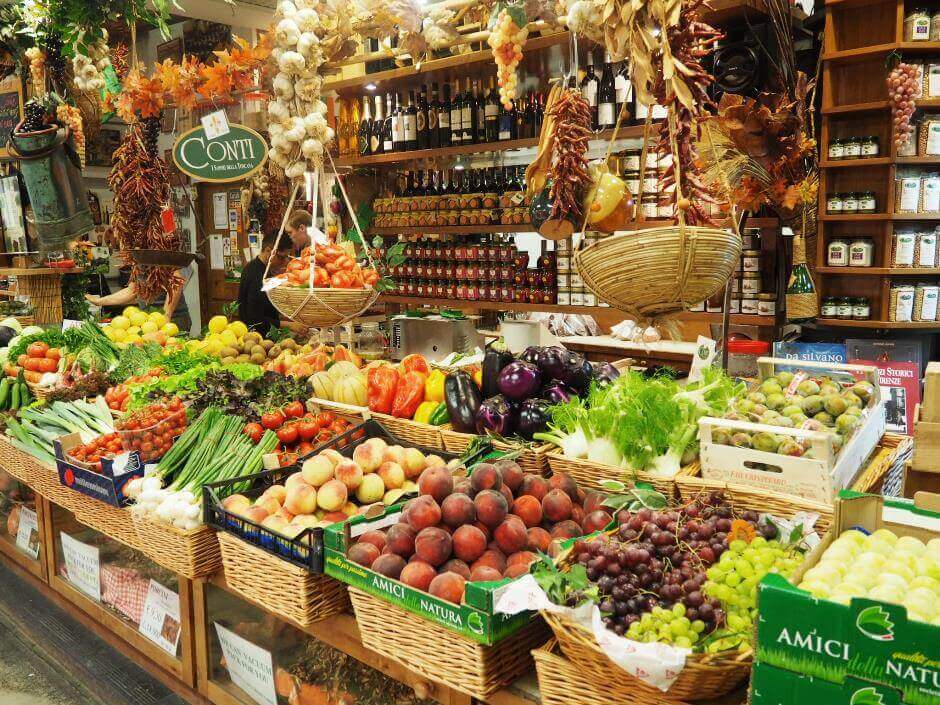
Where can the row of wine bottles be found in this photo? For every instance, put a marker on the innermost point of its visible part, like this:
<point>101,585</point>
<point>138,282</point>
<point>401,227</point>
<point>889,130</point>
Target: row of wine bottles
<point>442,182</point>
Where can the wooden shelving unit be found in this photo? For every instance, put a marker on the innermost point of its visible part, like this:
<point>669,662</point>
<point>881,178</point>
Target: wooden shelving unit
<point>859,35</point>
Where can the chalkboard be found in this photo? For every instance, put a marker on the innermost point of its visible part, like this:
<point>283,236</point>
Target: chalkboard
<point>11,110</point>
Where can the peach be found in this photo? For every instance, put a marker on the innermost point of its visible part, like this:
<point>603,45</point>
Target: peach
<point>368,456</point>
<point>529,509</point>
<point>410,486</point>
<point>469,543</point>
<point>577,513</point>
<point>539,539</point>
<point>395,454</point>
<point>389,565</point>
<point>418,574</point>
<point>511,535</point>
<point>236,503</point>
<point>377,443</point>
<point>349,473</point>
<point>535,486</point>
<point>286,515</point>
<point>421,512</point>
<point>514,571</point>
<point>333,455</point>
<point>270,504</point>
<point>485,476</point>
<point>485,574</point>
<point>400,540</point>
<point>593,500</point>
<point>458,509</point>
<point>462,486</point>
<point>492,558</point>
<point>332,495</point>
<point>492,507</point>
<point>565,530</point>
<point>526,558</point>
<point>448,586</point>
<point>433,461</point>
<point>305,520</point>
<point>455,565</point>
<point>256,514</point>
<point>392,474</point>
<point>371,490</point>
<point>556,505</point>
<point>296,478</point>
<point>333,517</point>
<point>302,499</point>
<point>318,470</point>
<point>413,462</point>
<point>376,538</point>
<point>507,493</point>
<point>565,483</point>
<point>596,521</point>
<point>363,554</point>
<point>484,528</point>
<point>349,509</point>
<point>279,492</point>
<point>278,525</point>
<point>436,482</point>
<point>433,545</point>
<point>511,473</point>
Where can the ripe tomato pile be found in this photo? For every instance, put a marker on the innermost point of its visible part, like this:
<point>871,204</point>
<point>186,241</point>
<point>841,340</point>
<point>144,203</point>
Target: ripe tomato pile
<point>333,268</point>
<point>151,430</point>
<point>106,446</point>
<point>38,359</point>
<point>118,396</point>
<point>298,432</point>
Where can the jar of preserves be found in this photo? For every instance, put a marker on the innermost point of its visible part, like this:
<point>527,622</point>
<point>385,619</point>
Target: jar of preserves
<point>917,25</point>
<point>861,252</point>
<point>867,202</point>
<point>750,283</point>
<point>851,148</point>
<point>850,203</point>
<point>564,298</point>
<point>735,306</point>
<point>649,205</point>
<point>834,203</point>
<point>750,239</point>
<point>749,305</point>
<point>767,304</point>
<point>827,308</point>
<point>750,260</point>
<point>837,254</point>
<point>632,180</point>
<point>844,308</point>
<point>870,146</point>
<point>861,309</point>
<point>699,307</point>
<point>836,149</point>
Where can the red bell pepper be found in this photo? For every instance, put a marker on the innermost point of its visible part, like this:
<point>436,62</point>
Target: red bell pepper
<point>415,363</point>
<point>409,395</point>
<point>381,383</point>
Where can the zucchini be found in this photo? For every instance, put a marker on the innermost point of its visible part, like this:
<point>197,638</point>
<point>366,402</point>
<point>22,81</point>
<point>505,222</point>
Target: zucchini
<point>5,393</point>
<point>15,400</point>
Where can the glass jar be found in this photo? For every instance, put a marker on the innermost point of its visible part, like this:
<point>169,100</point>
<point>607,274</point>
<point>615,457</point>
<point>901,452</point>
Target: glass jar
<point>861,252</point>
<point>861,309</point>
<point>917,25</point>
<point>828,307</point>
<point>750,260</point>
<point>735,306</point>
<point>750,284</point>
<point>649,205</point>
<point>851,148</point>
<point>844,308</point>
<point>767,304</point>
<point>749,305</point>
<point>834,203</point>
<point>743,356</point>
<point>867,202</point>
<point>869,146</point>
<point>935,25</point>
<point>836,149</point>
<point>371,342</point>
<point>632,180</point>
<point>750,239</point>
<point>850,203</point>
<point>697,308</point>
<point>837,254</point>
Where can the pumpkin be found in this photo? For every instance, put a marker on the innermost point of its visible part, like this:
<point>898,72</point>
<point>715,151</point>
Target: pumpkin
<point>350,390</point>
<point>342,368</point>
<point>322,385</point>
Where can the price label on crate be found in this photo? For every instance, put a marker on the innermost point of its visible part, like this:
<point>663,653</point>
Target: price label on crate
<point>83,565</point>
<point>27,533</point>
<point>160,620</point>
<point>250,667</point>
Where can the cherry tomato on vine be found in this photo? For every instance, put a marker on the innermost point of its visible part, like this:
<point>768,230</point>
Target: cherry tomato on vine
<point>287,434</point>
<point>254,431</point>
<point>294,410</point>
<point>272,420</point>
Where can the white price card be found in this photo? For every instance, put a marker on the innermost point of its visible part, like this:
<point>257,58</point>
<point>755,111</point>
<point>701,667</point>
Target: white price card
<point>69,323</point>
<point>215,124</point>
<point>219,211</point>
<point>27,533</point>
<point>83,565</point>
<point>250,667</point>
<point>160,620</point>
<point>273,283</point>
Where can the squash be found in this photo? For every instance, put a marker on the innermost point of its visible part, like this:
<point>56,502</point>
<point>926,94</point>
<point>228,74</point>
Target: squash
<point>342,368</point>
<point>350,390</point>
<point>322,385</point>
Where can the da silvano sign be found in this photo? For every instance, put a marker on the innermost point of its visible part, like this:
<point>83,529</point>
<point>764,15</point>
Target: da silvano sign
<point>238,153</point>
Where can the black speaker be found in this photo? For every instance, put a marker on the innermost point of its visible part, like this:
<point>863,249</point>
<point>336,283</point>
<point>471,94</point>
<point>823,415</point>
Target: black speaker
<point>740,63</point>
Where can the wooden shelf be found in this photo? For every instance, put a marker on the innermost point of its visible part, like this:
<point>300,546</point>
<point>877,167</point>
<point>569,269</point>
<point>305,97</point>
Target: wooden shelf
<point>856,108</point>
<point>876,324</point>
<point>870,271</point>
<point>36,271</point>
<point>454,229</point>
<point>860,53</point>
<point>856,217</point>
<point>915,216</point>
<point>918,160</point>
<point>855,163</point>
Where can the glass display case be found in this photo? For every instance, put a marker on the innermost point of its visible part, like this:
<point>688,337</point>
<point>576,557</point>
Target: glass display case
<point>20,536</point>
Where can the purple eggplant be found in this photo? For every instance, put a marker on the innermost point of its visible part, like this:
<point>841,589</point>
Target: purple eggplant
<point>534,415</point>
<point>531,354</point>
<point>496,415</point>
<point>519,380</point>
<point>557,392</point>
<point>605,374</point>
<point>581,377</point>
<point>551,361</point>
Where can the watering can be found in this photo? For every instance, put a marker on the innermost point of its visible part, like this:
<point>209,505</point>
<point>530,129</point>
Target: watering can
<point>53,175</point>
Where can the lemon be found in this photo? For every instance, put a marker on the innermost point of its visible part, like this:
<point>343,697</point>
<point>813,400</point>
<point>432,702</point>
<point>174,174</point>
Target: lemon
<point>120,322</point>
<point>228,337</point>
<point>217,324</point>
<point>158,317</point>
<point>137,318</point>
<point>118,335</point>
<point>170,328</point>
<point>238,328</point>
<point>129,310</point>
<point>212,347</point>
<point>149,327</point>
<point>133,330</point>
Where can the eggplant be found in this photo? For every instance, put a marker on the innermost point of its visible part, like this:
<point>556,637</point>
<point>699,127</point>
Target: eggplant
<point>551,361</point>
<point>531,354</point>
<point>605,374</point>
<point>557,392</point>
<point>519,380</point>
<point>580,379</point>
<point>494,360</point>
<point>534,415</point>
<point>462,398</point>
<point>6,335</point>
<point>497,416</point>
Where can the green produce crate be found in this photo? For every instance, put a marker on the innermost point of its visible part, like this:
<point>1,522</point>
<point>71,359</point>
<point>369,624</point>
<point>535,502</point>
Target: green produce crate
<point>775,686</point>
<point>866,639</point>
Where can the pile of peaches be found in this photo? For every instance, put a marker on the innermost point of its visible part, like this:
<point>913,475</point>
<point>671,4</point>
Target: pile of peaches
<point>485,527</point>
<point>330,487</point>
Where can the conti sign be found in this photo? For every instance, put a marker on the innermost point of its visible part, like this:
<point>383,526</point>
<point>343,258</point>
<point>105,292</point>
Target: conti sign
<point>238,153</point>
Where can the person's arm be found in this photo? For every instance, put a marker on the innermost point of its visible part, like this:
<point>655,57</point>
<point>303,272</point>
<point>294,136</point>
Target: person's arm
<point>124,297</point>
<point>172,301</point>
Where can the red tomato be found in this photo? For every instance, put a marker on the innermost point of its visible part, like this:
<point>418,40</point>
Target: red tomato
<point>304,448</point>
<point>53,353</point>
<point>323,436</point>
<point>287,434</point>
<point>294,410</point>
<point>307,429</point>
<point>32,363</point>
<point>326,418</point>
<point>21,360</point>
<point>47,365</point>
<point>254,431</point>
<point>272,420</point>
<point>37,349</point>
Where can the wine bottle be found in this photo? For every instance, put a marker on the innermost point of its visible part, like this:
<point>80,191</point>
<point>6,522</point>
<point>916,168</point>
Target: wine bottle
<point>589,88</point>
<point>538,111</point>
<point>456,117</point>
<point>365,129</point>
<point>802,297</point>
<point>529,116</point>
<point>398,125</point>
<point>342,137</point>
<point>521,129</point>
<point>388,142</point>
<point>421,119</point>
<point>411,123</point>
<point>410,188</point>
<point>443,118</point>
<point>434,133</point>
<point>376,145</point>
<point>479,127</point>
<point>355,117</point>
<point>491,114</point>
<point>606,98</point>
<point>507,123</point>
<point>467,116</point>
<point>623,91</point>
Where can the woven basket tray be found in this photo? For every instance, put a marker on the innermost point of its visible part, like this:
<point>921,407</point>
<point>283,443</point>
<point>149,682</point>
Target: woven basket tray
<point>704,676</point>
<point>590,474</point>
<point>421,434</point>
<point>347,410</point>
<point>20,465</point>
<point>441,654</point>
<point>115,522</point>
<point>193,553</point>
<point>321,307</point>
<point>532,459</point>
<point>279,586</point>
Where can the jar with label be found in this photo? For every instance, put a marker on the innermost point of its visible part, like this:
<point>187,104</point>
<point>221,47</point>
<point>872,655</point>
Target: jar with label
<point>836,149</point>
<point>869,146</point>
<point>851,148</point>
<point>834,203</point>
<point>837,254</point>
<point>750,239</point>
<point>650,183</point>
<point>665,207</point>
<point>928,143</point>
<point>697,308</point>
<point>907,194</point>
<point>930,193</point>
<point>632,180</point>
<point>749,305</point>
<point>902,253</point>
<point>933,77</point>
<point>564,298</point>
<point>716,302</point>
<point>577,298</point>
<point>735,306</point>
<point>861,252</point>
<point>867,202</point>
<point>631,161</point>
<point>827,309</point>
<point>750,260</point>
<point>917,25</point>
<point>912,145</point>
<point>767,304</point>
<point>901,306</point>
<point>925,302</point>
<point>849,203</point>
<point>861,309</point>
<point>927,249</point>
<point>750,283</point>
<point>844,308</point>
<point>935,25</point>
<point>649,205</point>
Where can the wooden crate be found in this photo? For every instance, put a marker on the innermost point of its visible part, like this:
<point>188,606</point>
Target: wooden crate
<point>926,443</point>
<point>930,406</point>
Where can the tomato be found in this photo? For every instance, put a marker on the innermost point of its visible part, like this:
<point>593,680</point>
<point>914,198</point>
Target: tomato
<point>339,426</point>
<point>326,418</point>
<point>47,365</point>
<point>307,429</point>
<point>53,353</point>
<point>21,360</point>
<point>31,376</point>
<point>294,410</point>
<point>304,448</point>
<point>254,431</point>
<point>32,363</point>
<point>324,436</point>
<point>37,349</point>
<point>287,434</point>
<point>272,420</point>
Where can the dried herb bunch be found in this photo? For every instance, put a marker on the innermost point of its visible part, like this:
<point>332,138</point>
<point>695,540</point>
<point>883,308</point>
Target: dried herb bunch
<point>141,187</point>
<point>569,175</point>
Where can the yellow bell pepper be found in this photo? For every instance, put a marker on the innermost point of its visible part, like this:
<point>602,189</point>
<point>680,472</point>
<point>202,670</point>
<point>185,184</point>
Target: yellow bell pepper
<point>424,411</point>
<point>434,386</point>
<point>478,377</point>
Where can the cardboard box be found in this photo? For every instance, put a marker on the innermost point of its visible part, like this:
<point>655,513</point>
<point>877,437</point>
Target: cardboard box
<point>473,619</point>
<point>930,410</point>
<point>919,481</point>
<point>106,486</point>
<point>775,686</point>
<point>926,443</point>
<point>866,639</point>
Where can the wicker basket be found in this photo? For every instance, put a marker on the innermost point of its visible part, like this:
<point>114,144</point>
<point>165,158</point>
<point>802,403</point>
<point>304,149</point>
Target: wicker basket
<point>280,587</point>
<point>15,462</point>
<point>660,272</point>
<point>193,553</point>
<point>422,434</point>
<point>318,308</point>
<point>347,410</point>
<point>532,458</point>
<point>589,474</point>
<point>704,676</point>
<point>443,655</point>
<point>115,522</point>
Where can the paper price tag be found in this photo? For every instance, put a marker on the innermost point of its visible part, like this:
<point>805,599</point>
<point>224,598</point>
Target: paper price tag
<point>27,533</point>
<point>273,283</point>
<point>160,620</point>
<point>250,667</point>
<point>69,323</point>
<point>215,124</point>
<point>82,562</point>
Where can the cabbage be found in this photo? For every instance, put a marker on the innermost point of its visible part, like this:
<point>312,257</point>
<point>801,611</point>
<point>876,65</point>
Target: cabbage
<point>31,330</point>
<point>12,323</point>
